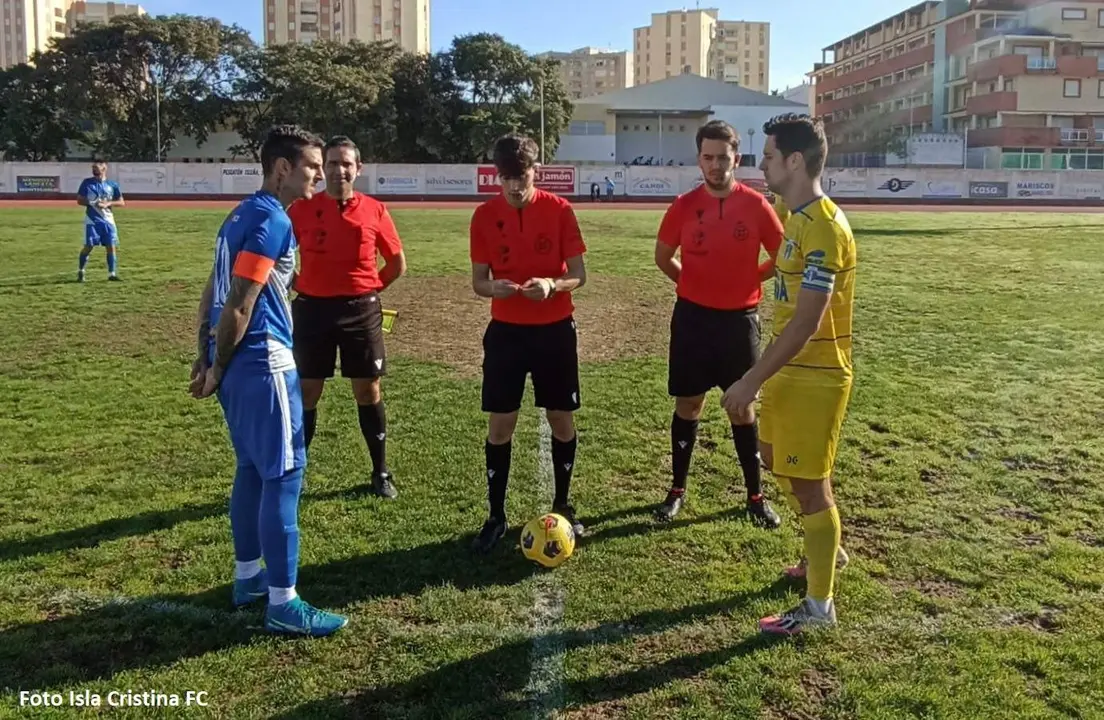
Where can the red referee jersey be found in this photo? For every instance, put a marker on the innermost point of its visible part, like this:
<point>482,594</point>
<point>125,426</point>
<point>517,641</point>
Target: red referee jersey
<point>520,244</point>
<point>720,240</point>
<point>338,244</point>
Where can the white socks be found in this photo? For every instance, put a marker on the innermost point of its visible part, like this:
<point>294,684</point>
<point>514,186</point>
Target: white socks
<point>820,607</point>
<point>246,570</point>
<point>279,596</point>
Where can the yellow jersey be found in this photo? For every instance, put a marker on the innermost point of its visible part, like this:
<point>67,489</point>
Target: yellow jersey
<point>818,253</point>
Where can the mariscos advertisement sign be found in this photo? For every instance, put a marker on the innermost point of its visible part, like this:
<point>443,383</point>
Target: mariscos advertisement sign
<point>553,178</point>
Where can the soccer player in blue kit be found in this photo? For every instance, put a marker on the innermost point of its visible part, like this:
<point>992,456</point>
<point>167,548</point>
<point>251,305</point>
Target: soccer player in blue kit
<point>98,195</point>
<point>244,354</point>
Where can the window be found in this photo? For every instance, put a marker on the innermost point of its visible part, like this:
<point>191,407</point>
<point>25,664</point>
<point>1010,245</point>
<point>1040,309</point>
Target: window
<point>1100,18</point>
<point>1074,14</point>
<point>1071,89</point>
<point>1022,159</point>
<point>1100,89</point>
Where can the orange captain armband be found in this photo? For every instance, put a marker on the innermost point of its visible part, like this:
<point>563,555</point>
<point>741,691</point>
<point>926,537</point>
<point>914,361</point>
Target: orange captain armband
<point>251,266</point>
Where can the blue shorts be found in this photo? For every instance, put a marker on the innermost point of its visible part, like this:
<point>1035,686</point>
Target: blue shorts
<point>264,412</point>
<point>100,234</point>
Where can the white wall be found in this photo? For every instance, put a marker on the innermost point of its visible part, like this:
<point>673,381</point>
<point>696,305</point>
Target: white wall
<point>587,149</point>
<point>235,180</point>
<point>644,137</point>
<point>749,118</point>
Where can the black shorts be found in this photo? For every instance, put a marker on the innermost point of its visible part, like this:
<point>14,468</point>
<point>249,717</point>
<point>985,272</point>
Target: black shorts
<point>710,348</point>
<point>323,325</point>
<point>547,352</point>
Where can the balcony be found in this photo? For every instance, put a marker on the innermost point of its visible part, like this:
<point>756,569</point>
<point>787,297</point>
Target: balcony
<point>1014,137</point>
<point>1041,64</point>
<point>905,116</point>
<point>991,103</point>
<point>876,95</point>
<point>904,61</point>
<point>1078,66</point>
<point>991,69</point>
<point>1075,136</point>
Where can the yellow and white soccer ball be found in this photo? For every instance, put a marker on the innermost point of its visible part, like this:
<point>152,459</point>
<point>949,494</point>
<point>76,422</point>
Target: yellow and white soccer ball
<point>548,540</point>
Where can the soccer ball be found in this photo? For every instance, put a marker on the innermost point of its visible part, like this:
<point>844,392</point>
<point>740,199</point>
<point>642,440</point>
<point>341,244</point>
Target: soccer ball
<point>548,540</point>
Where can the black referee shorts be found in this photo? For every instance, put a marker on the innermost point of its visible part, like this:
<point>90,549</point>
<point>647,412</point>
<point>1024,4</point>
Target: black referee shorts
<point>324,325</point>
<point>710,348</point>
<point>547,352</point>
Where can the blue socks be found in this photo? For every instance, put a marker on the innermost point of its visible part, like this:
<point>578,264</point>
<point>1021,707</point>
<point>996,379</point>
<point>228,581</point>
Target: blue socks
<point>264,521</point>
<point>279,521</point>
<point>245,513</point>
<point>111,262</point>
<point>82,262</point>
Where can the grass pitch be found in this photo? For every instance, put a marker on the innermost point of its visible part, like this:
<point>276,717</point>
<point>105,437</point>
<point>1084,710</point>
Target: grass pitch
<point>969,484</point>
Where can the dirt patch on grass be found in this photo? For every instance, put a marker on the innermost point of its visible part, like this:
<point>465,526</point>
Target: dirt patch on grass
<point>441,320</point>
<point>1021,514</point>
<point>1047,620</point>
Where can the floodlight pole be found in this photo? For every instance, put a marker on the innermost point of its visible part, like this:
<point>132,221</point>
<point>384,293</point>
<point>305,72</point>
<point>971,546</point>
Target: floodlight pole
<point>542,117</point>
<point>157,106</point>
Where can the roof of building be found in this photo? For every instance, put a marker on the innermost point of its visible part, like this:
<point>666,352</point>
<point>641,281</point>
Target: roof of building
<point>685,93</point>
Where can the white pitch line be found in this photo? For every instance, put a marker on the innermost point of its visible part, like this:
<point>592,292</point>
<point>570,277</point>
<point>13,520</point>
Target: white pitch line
<point>546,658</point>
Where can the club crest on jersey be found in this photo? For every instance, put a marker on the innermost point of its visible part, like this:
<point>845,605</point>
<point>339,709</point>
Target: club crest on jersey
<point>740,231</point>
<point>543,245</point>
<point>789,248</point>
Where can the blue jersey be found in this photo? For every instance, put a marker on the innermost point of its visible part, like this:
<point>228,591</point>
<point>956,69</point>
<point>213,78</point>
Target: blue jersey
<point>256,242</point>
<point>94,190</point>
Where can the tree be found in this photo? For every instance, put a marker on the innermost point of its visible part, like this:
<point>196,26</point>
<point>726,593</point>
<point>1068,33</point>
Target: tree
<point>502,86</point>
<point>330,88</point>
<point>33,126</point>
<point>122,76</point>
<point>418,113</point>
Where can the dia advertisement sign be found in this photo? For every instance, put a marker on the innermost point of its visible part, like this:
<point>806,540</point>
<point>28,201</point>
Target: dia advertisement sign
<point>558,179</point>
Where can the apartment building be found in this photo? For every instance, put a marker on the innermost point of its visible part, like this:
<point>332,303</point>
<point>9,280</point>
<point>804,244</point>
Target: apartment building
<point>29,25</point>
<point>98,12</point>
<point>404,22</point>
<point>698,42</point>
<point>1021,80</point>
<point>593,71</point>
<point>1025,83</point>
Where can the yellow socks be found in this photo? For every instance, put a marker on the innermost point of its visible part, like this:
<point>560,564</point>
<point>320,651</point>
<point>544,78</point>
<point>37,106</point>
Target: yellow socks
<point>822,541</point>
<point>787,492</point>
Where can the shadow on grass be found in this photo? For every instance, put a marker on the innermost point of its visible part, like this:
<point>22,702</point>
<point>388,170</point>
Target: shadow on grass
<point>497,683</point>
<point>648,524</point>
<point>104,640</point>
<point>92,535</point>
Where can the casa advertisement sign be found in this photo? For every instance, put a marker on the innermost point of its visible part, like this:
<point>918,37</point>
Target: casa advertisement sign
<point>560,179</point>
<point>988,190</point>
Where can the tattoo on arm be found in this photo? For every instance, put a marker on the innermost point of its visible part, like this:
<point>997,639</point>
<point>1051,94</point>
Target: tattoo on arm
<point>234,320</point>
<point>203,323</point>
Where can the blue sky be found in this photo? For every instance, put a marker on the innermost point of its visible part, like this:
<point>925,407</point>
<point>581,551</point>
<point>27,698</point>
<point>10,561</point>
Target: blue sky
<point>799,28</point>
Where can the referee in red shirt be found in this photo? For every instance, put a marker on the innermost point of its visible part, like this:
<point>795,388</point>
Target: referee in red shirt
<point>340,234</point>
<point>718,229</point>
<point>527,256</point>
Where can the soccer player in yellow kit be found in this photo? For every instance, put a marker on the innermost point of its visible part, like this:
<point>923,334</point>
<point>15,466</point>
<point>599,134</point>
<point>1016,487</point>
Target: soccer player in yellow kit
<point>805,374</point>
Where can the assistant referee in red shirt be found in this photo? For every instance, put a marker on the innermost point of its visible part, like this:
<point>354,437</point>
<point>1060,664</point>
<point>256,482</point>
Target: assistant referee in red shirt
<point>718,229</point>
<point>340,233</point>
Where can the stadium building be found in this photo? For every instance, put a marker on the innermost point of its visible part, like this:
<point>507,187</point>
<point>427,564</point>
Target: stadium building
<point>1021,80</point>
<point>655,124</point>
